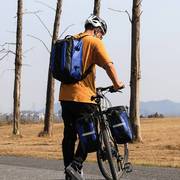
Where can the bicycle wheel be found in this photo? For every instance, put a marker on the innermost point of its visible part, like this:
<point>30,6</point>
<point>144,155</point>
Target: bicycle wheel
<point>111,159</point>
<point>105,155</point>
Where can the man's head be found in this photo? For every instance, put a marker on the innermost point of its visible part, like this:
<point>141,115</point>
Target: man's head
<point>96,24</point>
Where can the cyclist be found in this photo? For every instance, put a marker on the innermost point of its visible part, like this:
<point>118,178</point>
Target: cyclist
<point>76,98</point>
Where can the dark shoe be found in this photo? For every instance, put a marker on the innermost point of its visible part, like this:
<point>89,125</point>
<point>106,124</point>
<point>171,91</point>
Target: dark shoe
<point>67,177</point>
<point>74,172</point>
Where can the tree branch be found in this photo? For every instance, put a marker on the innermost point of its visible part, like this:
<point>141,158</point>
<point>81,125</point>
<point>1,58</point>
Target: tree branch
<point>138,17</point>
<point>2,50</point>
<point>140,14</point>
<point>26,51</point>
<point>40,2</point>
<point>130,19</point>
<point>6,53</point>
<point>66,30</point>
<point>27,65</point>
<point>139,3</point>
<point>6,43</point>
<point>12,52</point>
<point>12,32</point>
<point>32,12</point>
<point>4,56</point>
<point>44,25</point>
<point>29,12</point>
<point>41,21</point>
<point>40,41</point>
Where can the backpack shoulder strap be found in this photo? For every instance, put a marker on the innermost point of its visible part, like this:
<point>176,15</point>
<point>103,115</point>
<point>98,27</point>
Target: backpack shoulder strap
<point>80,36</point>
<point>89,69</point>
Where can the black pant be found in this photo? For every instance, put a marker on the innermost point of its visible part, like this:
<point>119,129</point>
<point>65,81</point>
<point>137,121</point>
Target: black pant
<point>71,112</point>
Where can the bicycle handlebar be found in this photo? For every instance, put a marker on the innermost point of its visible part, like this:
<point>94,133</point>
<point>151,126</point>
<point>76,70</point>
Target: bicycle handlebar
<point>99,91</point>
<point>109,88</point>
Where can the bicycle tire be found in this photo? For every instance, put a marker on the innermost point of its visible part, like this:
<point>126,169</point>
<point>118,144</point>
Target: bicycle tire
<point>113,173</point>
<point>109,163</point>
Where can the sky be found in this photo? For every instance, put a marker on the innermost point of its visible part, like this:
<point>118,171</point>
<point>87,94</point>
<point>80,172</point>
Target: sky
<point>160,43</point>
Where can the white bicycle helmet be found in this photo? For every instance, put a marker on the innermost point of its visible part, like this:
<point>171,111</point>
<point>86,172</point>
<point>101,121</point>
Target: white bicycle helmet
<point>95,21</point>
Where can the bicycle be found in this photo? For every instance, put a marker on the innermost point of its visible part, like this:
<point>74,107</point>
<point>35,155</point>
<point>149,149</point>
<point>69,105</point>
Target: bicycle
<point>112,158</point>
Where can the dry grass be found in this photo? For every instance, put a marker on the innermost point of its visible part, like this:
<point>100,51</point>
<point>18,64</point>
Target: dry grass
<point>161,143</point>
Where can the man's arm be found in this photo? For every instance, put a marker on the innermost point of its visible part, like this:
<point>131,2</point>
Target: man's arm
<point>111,72</point>
<point>102,59</point>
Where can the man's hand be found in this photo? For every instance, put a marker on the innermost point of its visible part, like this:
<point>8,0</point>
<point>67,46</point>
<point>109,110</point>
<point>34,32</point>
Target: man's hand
<point>119,85</point>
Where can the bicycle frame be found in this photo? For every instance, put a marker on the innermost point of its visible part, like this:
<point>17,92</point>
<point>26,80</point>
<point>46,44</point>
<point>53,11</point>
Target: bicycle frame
<point>110,146</point>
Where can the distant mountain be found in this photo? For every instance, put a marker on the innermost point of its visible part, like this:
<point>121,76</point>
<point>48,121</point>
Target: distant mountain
<point>165,107</point>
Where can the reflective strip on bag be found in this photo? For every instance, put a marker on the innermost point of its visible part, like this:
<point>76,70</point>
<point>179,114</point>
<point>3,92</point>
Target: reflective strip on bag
<point>88,133</point>
<point>118,125</point>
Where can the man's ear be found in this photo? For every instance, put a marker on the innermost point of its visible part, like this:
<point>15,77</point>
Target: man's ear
<point>96,31</point>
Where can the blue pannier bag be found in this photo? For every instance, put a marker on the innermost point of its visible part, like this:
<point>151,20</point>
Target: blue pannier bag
<point>66,60</point>
<point>86,130</point>
<point>120,124</point>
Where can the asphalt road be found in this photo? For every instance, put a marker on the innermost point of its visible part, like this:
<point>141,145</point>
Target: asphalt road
<point>19,168</point>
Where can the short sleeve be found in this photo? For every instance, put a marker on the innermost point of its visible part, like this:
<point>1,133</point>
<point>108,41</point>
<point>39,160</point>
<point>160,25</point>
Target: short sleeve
<point>101,57</point>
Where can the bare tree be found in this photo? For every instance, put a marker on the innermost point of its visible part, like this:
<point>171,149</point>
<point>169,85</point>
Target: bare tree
<point>18,67</point>
<point>49,112</point>
<point>97,4</point>
<point>135,70</point>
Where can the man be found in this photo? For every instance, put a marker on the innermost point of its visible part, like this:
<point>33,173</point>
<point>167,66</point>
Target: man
<point>76,98</point>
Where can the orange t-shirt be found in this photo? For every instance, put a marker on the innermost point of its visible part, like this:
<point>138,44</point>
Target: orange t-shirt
<point>94,53</point>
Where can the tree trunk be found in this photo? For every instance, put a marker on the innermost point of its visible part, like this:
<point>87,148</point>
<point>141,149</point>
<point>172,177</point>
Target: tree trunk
<point>18,67</point>
<point>135,71</point>
<point>49,112</point>
<point>96,10</point>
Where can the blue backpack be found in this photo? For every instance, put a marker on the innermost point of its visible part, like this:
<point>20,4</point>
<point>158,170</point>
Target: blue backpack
<point>66,60</point>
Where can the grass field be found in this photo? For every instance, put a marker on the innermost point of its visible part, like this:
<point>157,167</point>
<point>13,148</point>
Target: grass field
<point>160,147</point>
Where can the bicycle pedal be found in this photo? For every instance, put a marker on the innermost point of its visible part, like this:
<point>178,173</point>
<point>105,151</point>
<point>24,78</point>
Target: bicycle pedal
<point>120,158</point>
<point>128,167</point>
